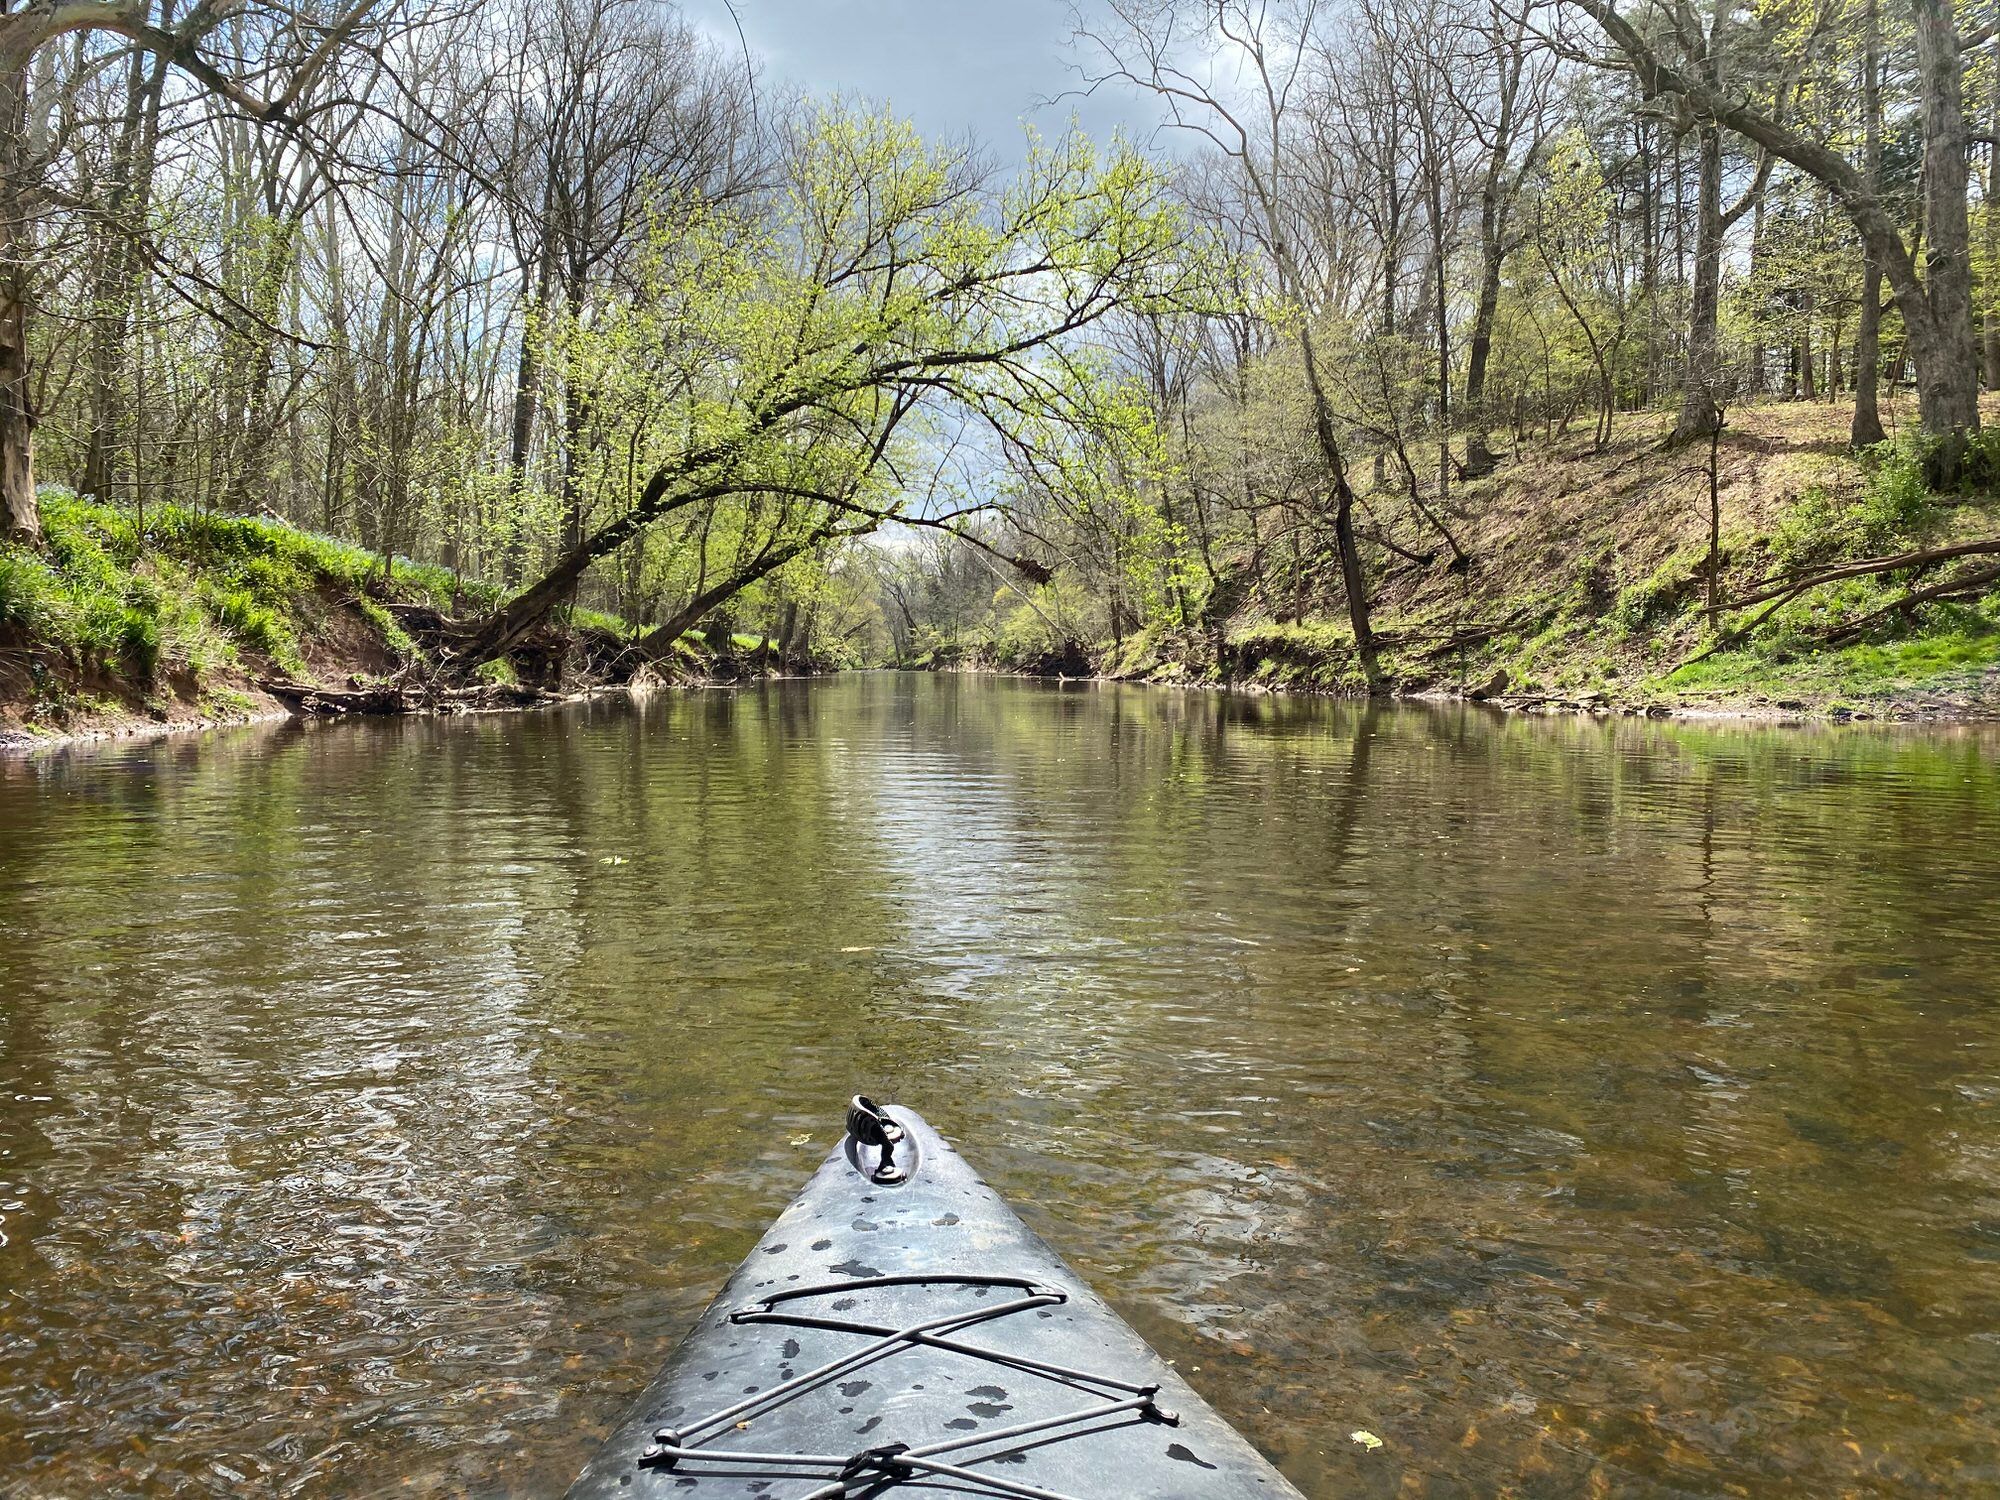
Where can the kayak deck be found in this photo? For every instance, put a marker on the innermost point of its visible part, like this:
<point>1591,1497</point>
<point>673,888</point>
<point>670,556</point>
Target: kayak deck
<point>914,1335</point>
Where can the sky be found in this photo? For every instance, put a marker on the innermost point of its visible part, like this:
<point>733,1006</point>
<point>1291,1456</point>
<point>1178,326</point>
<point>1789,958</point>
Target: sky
<point>986,66</point>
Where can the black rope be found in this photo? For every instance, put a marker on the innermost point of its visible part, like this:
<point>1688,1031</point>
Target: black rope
<point>897,1461</point>
<point>877,1462</point>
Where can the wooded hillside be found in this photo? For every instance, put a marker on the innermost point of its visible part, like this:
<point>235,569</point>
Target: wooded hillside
<point>568,303</point>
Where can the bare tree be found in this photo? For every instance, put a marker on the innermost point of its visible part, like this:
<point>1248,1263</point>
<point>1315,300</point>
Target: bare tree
<point>273,56</point>
<point>613,106</point>
<point>1266,43</point>
<point>1506,106</point>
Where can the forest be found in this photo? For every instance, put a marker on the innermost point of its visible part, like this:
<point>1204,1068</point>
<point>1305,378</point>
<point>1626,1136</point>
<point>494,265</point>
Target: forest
<point>1569,352</point>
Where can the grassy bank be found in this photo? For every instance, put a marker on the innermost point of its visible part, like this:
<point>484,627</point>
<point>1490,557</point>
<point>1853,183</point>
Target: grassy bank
<point>1588,581</point>
<point>1586,586</point>
<point>112,623</point>
<point>193,618</point>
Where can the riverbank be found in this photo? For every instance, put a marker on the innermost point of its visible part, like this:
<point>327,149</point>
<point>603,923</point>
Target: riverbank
<point>1586,585</point>
<point>119,625</point>
<point>1585,588</point>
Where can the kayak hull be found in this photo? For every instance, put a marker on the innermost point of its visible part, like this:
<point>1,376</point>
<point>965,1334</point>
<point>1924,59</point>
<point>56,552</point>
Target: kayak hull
<point>804,1378</point>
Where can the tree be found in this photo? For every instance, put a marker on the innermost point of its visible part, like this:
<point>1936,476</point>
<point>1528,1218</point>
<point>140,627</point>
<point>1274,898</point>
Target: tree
<point>892,282</point>
<point>273,57</point>
<point>1714,51</point>
<point>1574,239</point>
<point>1269,42</point>
<point>612,105</point>
<point>1867,424</point>
<point>1936,306</point>
<point>1507,110</point>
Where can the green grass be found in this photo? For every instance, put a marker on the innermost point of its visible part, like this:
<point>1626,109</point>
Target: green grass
<point>1590,626</point>
<point>1308,654</point>
<point>81,595</point>
<point>597,619</point>
<point>393,635</point>
<point>1641,606</point>
<point>194,592</point>
<point>1968,641</point>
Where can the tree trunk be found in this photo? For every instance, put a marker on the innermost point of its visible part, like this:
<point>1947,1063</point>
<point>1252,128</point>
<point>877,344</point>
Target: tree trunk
<point>1479,457</point>
<point>112,272</point>
<point>788,632</point>
<point>1808,382</point>
<point>20,515</point>
<point>1492,254</point>
<point>1700,411</point>
<point>1443,335</point>
<point>1866,428</point>
<point>23,519</point>
<point>1946,354</point>
<point>1353,582</point>
<point>527,386</point>
<point>1649,256</point>
<point>1714,519</point>
<point>576,404</point>
<point>1990,213</point>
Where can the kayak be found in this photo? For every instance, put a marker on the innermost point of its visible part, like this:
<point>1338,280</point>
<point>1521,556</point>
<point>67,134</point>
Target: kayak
<point>900,1330</point>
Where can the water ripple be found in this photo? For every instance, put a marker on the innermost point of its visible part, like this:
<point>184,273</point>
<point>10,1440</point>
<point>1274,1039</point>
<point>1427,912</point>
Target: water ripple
<point>1584,1107</point>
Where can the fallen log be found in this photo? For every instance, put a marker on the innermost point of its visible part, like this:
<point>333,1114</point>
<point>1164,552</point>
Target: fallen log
<point>1775,595</point>
<point>1784,588</point>
<point>315,701</point>
<point>1971,581</point>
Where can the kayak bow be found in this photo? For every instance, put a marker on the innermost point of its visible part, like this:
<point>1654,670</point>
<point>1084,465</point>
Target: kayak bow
<point>898,1328</point>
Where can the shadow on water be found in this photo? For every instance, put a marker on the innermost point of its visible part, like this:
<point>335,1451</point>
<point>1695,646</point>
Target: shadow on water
<point>1584,1107</point>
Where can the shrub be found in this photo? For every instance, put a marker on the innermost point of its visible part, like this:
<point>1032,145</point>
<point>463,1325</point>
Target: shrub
<point>29,593</point>
<point>1641,605</point>
<point>393,635</point>
<point>1896,508</point>
<point>139,641</point>
<point>499,671</point>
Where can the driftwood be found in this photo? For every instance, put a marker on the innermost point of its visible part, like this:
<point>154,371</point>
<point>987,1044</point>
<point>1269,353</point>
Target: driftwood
<point>400,696</point>
<point>312,699</point>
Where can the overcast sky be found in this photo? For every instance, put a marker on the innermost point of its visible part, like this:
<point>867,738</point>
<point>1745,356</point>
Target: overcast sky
<point>950,65</point>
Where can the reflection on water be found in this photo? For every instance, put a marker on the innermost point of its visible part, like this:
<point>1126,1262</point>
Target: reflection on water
<point>1587,1108</point>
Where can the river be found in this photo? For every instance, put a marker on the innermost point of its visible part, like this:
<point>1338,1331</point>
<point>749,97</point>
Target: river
<point>1585,1108</point>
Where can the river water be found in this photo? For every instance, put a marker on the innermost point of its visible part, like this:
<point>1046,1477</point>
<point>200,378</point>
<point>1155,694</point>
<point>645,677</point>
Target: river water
<point>1585,1108</point>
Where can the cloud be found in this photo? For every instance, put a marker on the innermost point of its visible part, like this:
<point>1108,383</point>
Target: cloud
<point>988,67</point>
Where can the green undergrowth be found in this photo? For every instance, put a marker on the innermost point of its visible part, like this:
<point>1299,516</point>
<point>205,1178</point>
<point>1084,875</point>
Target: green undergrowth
<point>189,595</point>
<point>1645,636</point>
<point>1307,654</point>
<point>1944,647</point>
<point>1868,670</point>
<point>611,625</point>
<point>1600,601</point>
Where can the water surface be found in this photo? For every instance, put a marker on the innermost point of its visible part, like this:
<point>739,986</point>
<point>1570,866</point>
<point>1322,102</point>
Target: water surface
<point>1585,1108</point>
